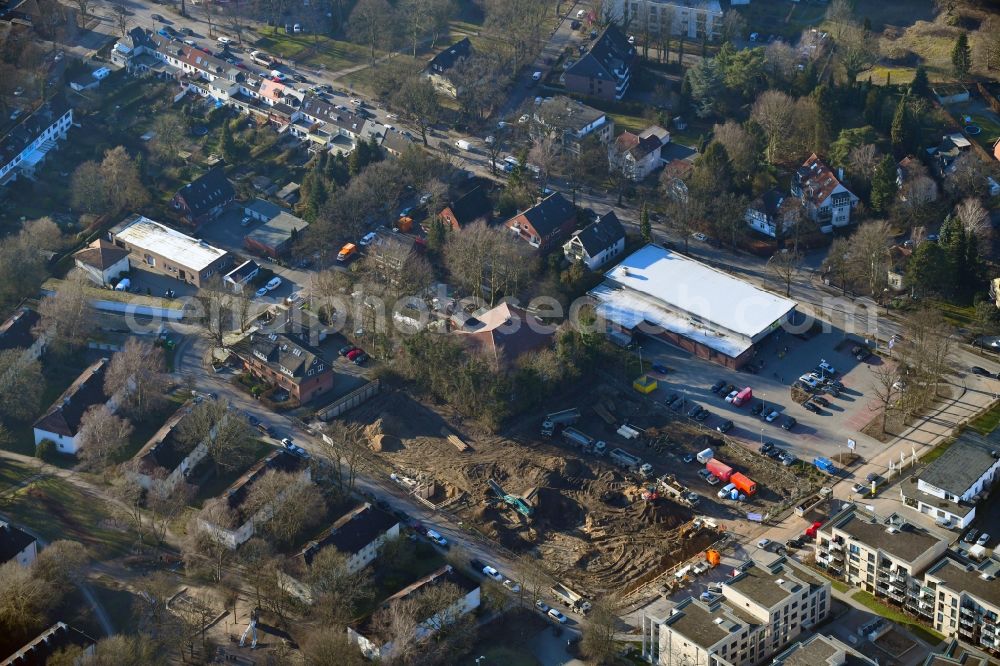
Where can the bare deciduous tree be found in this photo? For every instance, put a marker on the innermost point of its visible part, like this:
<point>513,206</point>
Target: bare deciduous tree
<point>224,431</point>
<point>369,22</point>
<point>869,255</point>
<point>785,264</point>
<point>598,639</point>
<point>137,375</point>
<point>67,320</point>
<point>103,435</point>
<point>21,385</point>
<point>974,217</point>
<point>293,502</point>
<point>862,161</point>
<point>886,389</point>
<point>487,261</point>
<point>774,112</point>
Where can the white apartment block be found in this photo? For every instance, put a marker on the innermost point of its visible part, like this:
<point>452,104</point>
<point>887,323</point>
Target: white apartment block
<point>25,146</point>
<point>966,600</point>
<point>762,610</point>
<point>949,489</point>
<point>691,19</point>
<point>886,558</point>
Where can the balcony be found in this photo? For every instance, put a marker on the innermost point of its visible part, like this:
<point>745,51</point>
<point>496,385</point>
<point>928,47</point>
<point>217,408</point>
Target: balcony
<point>927,591</point>
<point>966,621</point>
<point>836,545</point>
<point>836,556</point>
<point>966,610</point>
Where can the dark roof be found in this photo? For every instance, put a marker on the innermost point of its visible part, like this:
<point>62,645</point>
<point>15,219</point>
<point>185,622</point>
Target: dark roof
<point>242,271</point>
<point>352,531</point>
<point>16,331</point>
<point>278,230</point>
<point>396,142</point>
<point>29,129</point>
<point>447,573</point>
<point>141,37</point>
<point>279,460</point>
<point>549,214</point>
<point>448,58</point>
<point>608,53</point>
<point>905,541</point>
<point>954,653</point>
<point>12,541</point>
<point>602,234</point>
<point>469,208</point>
<point>769,203</point>
<point>57,637</point>
<point>208,191</point>
<point>63,417</point>
<point>969,578</point>
<point>283,352</point>
<point>101,254</point>
<point>163,450</point>
<point>964,462</point>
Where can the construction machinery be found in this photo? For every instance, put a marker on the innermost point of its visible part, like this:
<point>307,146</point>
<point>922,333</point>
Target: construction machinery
<point>514,501</point>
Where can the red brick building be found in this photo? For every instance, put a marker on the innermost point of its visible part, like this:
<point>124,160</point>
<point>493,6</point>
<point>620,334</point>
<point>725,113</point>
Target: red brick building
<point>546,224</point>
<point>284,360</point>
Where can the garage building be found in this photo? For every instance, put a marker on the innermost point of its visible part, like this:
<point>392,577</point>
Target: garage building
<point>711,314</point>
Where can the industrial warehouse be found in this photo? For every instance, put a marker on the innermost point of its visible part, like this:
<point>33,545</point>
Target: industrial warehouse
<point>711,314</point>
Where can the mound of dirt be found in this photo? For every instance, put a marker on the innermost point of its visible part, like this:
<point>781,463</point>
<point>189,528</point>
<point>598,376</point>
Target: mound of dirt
<point>380,438</point>
<point>663,513</point>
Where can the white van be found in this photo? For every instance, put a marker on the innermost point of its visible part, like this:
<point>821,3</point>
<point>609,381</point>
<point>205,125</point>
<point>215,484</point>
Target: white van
<point>463,144</point>
<point>726,490</point>
<point>706,455</point>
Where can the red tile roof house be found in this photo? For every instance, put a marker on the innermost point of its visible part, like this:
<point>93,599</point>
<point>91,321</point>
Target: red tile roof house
<point>827,202</point>
<point>61,423</point>
<point>544,225</point>
<point>504,333</point>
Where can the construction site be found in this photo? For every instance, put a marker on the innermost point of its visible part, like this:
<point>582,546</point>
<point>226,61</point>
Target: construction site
<point>599,511</point>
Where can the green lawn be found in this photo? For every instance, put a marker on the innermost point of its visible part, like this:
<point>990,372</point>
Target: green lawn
<point>988,421</point>
<point>56,509</point>
<point>919,630</point>
<point>315,50</point>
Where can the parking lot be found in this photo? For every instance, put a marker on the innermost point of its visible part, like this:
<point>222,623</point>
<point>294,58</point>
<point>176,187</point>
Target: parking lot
<point>815,434</point>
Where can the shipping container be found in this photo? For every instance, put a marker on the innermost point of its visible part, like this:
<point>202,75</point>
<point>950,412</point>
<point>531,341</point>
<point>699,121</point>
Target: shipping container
<point>721,470</point>
<point>745,484</point>
<point>743,397</point>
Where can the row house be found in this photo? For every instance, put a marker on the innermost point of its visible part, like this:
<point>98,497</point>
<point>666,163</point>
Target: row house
<point>25,146</point>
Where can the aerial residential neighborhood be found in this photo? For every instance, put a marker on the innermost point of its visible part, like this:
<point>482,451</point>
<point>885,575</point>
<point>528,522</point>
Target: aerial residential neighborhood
<point>515,332</point>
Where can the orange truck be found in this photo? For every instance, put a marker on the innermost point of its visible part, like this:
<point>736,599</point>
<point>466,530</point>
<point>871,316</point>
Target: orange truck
<point>743,483</point>
<point>346,252</point>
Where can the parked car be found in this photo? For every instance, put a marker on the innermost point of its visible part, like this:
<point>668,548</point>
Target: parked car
<point>246,220</point>
<point>694,411</point>
<point>346,349</point>
<point>789,423</point>
<point>764,543</point>
<point>766,446</point>
<point>367,239</point>
<point>261,292</point>
<point>859,488</point>
<point>477,564</point>
<point>717,386</point>
<point>704,474</point>
<point>984,539</point>
<point>732,395</point>
<point>971,535</point>
<point>703,415</point>
<point>511,585</point>
<point>770,418</point>
<point>688,458</point>
<point>437,538</point>
<point>542,606</point>
<point>725,426</point>
<point>557,616</point>
<point>492,573</point>
<point>360,359</point>
<point>673,397</point>
<point>810,407</point>
<point>354,353</point>
<point>273,283</point>
<point>156,17</point>
<point>982,372</point>
<point>758,408</point>
<point>660,368</point>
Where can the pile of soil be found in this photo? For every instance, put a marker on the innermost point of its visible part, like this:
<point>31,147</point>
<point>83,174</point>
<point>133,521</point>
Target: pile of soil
<point>379,440</point>
<point>663,513</point>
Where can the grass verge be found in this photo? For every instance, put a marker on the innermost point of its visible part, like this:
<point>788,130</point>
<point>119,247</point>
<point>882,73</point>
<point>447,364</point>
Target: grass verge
<point>919,630</point>
<point>986,422</point>
<point>315,50</point>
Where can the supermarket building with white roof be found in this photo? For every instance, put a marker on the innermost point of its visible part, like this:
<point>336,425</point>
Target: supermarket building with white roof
<point>158,248</point>
<point>705,311</point>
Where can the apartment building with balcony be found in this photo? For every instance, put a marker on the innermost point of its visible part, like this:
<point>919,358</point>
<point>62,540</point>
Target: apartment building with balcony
<point>692,19</point>
<point>966,599</point>
<point>885,558</point>
<point>604,71</point>
<point>762,610</point>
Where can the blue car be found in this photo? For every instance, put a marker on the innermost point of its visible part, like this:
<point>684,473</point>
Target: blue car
<point>659,367</point>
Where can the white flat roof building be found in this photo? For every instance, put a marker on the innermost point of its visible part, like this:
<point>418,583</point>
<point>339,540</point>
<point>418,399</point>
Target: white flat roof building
<point>156,246</point>
<point>665,292</point>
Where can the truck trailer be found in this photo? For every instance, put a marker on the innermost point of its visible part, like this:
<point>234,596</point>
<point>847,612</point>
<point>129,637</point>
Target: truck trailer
<point>722,471</point>
<point>570,598</point>
<point>744,483</point>
<point>704,456</point>
<point>625,459</point>
<point>577,438</point>
<point>559,419</point>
